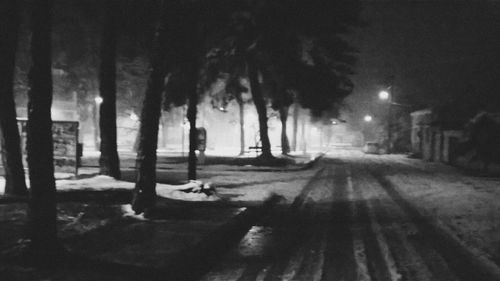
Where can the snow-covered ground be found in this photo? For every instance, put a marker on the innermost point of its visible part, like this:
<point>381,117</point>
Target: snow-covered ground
<point>465,206</point>
<point>237,185</point>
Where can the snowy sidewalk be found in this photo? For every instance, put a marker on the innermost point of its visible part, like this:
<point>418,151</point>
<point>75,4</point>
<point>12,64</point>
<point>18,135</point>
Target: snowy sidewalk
<point>179,228</point>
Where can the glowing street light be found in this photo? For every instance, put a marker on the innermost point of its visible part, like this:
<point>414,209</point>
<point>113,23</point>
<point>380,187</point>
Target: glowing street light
<point>134,116</point>
<point>368,118</point>
<point>384,95</point>
<point>98,100</point>
<point>97,133</point>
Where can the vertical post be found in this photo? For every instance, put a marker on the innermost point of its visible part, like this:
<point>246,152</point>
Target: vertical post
<point>97,116</point>
<point>183,127</point>
<point>389,123</point>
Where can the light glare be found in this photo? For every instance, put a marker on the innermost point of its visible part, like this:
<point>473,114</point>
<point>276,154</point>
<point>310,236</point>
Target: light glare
<point>383,95</point>
<point>98,100</point>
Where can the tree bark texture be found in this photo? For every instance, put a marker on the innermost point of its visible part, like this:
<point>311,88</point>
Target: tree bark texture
<point>15,183</point>
<point>285,145</point>
<point>42,203</point>
<point>109,162</point>
<point>145,193</point>
<point>260,105</point>
<point>241,105</point>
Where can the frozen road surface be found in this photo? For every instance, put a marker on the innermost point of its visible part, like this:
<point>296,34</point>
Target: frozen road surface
<point>353,222</point>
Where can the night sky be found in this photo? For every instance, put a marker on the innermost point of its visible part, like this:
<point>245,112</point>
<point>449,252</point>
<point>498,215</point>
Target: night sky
<point>434,50</point>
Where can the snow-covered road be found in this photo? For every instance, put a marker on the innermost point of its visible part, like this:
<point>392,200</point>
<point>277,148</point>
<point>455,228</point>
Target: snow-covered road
<point>375,217</point>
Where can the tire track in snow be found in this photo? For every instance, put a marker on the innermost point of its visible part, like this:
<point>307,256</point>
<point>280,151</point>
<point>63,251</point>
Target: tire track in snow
<point>415,259</point>
<point>463,263</point>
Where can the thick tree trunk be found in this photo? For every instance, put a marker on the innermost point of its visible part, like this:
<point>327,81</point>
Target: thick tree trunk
<point>285,145</point>
<point>144,192</point>
<point>44,245</point>
<point>15,183</point>
<point>295,126</point>
<point>109,163</point>
<point>260,105</point>
<point>242,126</point>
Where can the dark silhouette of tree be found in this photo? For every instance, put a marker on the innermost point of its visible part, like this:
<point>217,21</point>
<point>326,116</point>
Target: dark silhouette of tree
<point>109,162</point>
<point>144,192</point>
<point>194,23</point>
<point>260,105</point>
<point>235,89</point>
<point>295,126</point>
<point>245,35</point>
<point>15,183</point>
<point>294,45</point>
<point>229,67</point>
<point>44,246</point>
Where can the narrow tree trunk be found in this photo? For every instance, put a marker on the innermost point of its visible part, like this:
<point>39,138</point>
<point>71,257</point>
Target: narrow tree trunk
<point>144,192</point>
<point>242,126</point>
<point>44,245</point>
<point>295,126</point>
<point>15,183</point>
<point>260,105</point>
<point>109,163</point>
<point>193,134</point>
<point>285,145</point>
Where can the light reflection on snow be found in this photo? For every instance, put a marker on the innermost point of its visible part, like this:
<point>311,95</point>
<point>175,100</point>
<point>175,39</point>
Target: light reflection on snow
<point>129,213</point>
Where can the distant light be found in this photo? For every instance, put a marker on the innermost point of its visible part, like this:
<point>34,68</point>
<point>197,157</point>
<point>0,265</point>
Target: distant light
<point>134,116</point>
<point>368,118</point>
<point>98,100</point>
<point>383,95</point>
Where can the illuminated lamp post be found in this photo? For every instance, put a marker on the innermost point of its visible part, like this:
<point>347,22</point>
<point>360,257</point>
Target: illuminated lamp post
<point>386,95</point>
<point>98,101</point>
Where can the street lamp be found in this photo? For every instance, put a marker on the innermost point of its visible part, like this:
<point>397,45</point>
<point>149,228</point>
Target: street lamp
<point>97,133</point>
<point>98,100</point>
<point>386,95</point>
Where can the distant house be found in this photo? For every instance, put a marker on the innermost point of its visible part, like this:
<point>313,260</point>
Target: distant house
<point>433,139</point>
<point>421,121</point>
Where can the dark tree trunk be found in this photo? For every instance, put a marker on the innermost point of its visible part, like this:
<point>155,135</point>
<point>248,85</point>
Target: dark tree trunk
<point>260,105</point>
<point>15,183</point>
<point>193,134</point>
<point>145,193</point>
<point>242,126</point>
<point>295,126</point>
<point>44,245</point>
<point>285,145</point>
<point>109,163</point>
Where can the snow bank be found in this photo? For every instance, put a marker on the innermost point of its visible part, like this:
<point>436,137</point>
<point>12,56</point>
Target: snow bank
<point>101,183</point>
